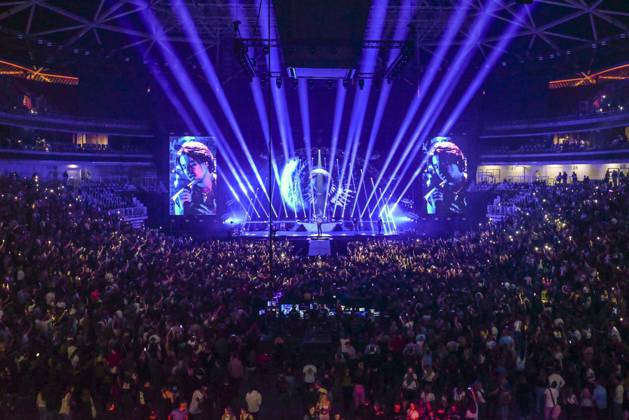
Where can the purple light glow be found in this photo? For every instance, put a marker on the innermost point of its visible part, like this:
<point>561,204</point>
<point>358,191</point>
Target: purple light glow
<point>369,56</point>
<point>496,53</point>
<point>274,65</point>
<point>443,93</point>
<point>454,24</point>
<point>336,127</point>
<point>194,98</point>
<point>401,32</point>
<point>174,100</point>
<point>206,65</point>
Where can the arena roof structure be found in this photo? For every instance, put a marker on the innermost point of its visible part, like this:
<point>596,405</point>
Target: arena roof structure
<point>571,34</point>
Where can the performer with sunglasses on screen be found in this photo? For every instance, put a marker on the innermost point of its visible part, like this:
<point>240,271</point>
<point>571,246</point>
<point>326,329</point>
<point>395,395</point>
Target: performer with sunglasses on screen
<point>197,198</point>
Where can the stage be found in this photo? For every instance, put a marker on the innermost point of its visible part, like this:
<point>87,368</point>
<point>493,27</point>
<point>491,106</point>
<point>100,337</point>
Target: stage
<point>296,229</point>
<point>310,235</point>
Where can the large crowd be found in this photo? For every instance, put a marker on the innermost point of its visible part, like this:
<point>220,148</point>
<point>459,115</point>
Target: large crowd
<point>522,319</point>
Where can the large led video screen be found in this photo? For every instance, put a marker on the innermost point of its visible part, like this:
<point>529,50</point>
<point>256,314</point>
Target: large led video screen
<point>192,182</point>
<point>444,178</point>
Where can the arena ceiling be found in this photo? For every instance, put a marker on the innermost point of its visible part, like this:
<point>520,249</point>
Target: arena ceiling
<point>571,35</point>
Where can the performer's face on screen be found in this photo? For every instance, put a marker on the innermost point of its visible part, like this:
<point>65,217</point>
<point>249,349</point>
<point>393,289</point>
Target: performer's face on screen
<point>195,171</point>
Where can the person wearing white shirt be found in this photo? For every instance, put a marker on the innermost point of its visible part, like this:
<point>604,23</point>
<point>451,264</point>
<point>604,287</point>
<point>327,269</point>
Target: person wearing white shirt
<point>254,401</point>
<point>198,398</point>
<point>551,399</point>
<point>64,410</point>
<point>310,372</point>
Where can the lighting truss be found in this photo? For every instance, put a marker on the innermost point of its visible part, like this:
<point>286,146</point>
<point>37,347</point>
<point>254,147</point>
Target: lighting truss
<point>556,28</point>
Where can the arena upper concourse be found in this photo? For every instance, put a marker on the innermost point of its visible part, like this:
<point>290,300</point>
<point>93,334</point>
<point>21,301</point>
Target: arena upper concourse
<point>314,209</point>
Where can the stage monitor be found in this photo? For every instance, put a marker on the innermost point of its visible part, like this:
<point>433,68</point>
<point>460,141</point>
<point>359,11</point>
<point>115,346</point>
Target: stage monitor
<point>444,178</point>
<point>192,183</point>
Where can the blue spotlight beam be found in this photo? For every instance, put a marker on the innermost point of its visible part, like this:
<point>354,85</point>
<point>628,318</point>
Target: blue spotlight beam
<point>336,128</point>
<point>305,124</point>
<point>231,189</point>
<point>444,91</point>
<point>498,50</point>
<point>193,96</point>
<point>367,66</point>
<point>258,98</point>
<point>489,64</point>
<point>454,24</point>
<point>279,97</point>
<point>168,89</point>
<point>189,27</point>
<point>401,32</point>
<point>189,122</point>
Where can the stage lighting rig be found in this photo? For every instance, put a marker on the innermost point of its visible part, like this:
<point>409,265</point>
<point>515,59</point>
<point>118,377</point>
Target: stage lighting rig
<point>396,67</point>
<point>241,51</point>
<point>245,61</point>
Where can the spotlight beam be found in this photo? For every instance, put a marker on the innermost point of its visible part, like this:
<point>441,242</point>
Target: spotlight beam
<point>336,128</point>
<point>305,124</point>
<point>256,91</point>
<point>258,98</point>
<point>231,189</point>
<point>454,24</point>
<point>401,32</point>
<point>189,27</point>
<point>368,64</point>
<point>496,53</point>
<point>443,93</point>
<point>195,99</point>
<point>167,88</point>
<point>188,121</point>
<point>279,97</point>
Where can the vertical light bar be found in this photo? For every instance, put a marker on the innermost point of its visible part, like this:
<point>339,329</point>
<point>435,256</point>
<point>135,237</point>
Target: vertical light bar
<point>498,50</point>
<point>369,57</point>
<point>189,28</point>
<point>401,32</point>
<point>194,97</point>
<point>336,127</point>
<point>444,91</point>
<point>454,24</point>
<point>279,97</point>
<point>305,125</point>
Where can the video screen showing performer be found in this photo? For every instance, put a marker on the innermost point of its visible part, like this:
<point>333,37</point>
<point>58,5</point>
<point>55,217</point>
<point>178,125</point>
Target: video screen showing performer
<point>445,178</point>
<point>192,176</point>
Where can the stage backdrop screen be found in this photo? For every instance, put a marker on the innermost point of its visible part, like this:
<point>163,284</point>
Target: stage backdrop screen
<point>192,176</point>
<point>444,178</point>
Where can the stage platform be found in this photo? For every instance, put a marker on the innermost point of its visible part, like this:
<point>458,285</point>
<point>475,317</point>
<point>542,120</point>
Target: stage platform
<point>287,234</point>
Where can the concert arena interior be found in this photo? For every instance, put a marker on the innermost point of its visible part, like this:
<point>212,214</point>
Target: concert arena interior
<point>314,209</point>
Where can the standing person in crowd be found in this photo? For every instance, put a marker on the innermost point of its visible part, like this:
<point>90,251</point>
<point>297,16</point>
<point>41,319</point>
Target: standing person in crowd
<point>197,403</point>
<point>228,414</point>
<point>552,407</point>
<point>253,399</point>
<point>574,177</point>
